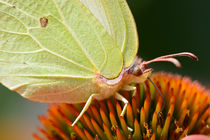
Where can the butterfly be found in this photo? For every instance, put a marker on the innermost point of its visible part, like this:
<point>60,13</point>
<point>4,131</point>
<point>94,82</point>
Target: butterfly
<point>71,51</point>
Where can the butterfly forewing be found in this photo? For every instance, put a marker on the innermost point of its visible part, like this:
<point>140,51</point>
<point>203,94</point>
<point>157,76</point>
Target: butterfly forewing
<point>69,44</point>
<point>117,19</point>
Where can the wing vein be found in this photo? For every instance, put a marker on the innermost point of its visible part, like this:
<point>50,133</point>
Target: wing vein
<point>62,57</point>
<point>57,40</point>
<point>110,24</point>
<point>98,38</point>
<point>8,4</point>
<point>74,36</point>
<point>102,45</point>
<point>46,76</point>
<point>19,33</point>
<point>27,52</point>
<point>125,33</point>
<point>16,87</point>
<point>60,93</point>
<point>15,18</point>
<point>107,19</point>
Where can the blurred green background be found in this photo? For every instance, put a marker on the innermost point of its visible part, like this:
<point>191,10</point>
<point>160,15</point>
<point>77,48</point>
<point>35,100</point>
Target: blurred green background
<point>164,27</point>
<point>167,26</point>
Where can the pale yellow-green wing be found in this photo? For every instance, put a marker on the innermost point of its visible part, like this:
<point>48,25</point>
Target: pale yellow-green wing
<point>117,19</point>
<point>69,45</point>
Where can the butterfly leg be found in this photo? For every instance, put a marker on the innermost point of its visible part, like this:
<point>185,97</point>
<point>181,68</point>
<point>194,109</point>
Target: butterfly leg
<point>129,88</point>
<point>125,101</point>
<point>87,104</point>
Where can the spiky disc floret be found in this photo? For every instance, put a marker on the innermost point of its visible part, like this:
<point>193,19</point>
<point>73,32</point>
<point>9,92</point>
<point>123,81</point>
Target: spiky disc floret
<point>186,112</point>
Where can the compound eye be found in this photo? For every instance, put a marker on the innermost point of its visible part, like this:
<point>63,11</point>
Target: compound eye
<point>137,71</point>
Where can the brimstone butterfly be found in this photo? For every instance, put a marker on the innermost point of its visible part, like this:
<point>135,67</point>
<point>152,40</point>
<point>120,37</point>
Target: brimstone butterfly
<point>70,51</point>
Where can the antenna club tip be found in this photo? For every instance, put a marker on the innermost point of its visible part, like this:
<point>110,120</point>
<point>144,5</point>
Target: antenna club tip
<point>179,66</point>
<point>197,59</point>
<point>194,57</point>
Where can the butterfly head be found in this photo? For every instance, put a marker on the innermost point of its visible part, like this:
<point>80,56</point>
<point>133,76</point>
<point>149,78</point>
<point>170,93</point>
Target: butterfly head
<point>139,71</point>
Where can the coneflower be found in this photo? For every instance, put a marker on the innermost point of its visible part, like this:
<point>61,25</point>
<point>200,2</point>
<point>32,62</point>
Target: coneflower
<point>186,112</point>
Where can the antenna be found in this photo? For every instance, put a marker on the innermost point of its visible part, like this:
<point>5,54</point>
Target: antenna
<point>169,58</point>
<point>158,92</point>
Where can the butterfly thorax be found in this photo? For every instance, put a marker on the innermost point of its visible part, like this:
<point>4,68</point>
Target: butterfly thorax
<point>136,73</point>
